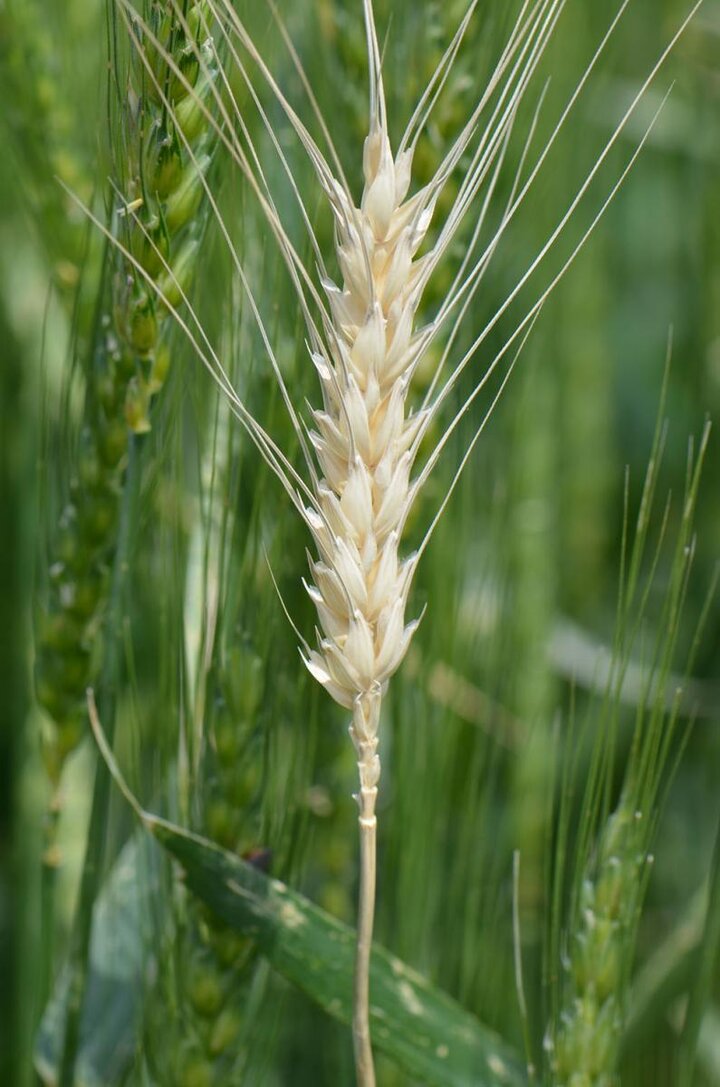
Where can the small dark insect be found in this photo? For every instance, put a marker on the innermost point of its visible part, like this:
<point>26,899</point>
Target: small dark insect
<point>259,858</point>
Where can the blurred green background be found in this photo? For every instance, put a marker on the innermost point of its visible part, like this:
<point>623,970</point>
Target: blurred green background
<point>521,580</point>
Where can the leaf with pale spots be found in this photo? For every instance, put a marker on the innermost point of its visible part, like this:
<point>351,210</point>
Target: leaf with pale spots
<point>429,1035</point>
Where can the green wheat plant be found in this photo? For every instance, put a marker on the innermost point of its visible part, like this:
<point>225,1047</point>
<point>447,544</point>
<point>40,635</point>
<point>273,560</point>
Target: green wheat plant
<point>128,367</point>
<point>614,849</point>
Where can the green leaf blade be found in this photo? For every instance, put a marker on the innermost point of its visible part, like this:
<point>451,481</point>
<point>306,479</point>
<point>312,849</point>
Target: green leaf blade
<point>424,1030</point>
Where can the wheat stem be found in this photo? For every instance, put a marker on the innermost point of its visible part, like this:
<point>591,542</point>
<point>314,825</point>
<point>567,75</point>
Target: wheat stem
<point>48,881</point>
<point>363,733</point>
<point>364,1068</point>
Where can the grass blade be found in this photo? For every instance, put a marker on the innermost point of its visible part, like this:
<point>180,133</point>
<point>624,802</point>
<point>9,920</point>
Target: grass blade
<point>117,964</point>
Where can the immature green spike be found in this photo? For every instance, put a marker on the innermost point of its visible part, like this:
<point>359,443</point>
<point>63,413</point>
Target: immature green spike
<point>159,216</point>
<point>588,1035</point>
<point>48,134</point>
<point>217,965</point>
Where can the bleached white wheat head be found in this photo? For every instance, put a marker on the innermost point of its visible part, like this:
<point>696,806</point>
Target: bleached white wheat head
<point>365,444</point>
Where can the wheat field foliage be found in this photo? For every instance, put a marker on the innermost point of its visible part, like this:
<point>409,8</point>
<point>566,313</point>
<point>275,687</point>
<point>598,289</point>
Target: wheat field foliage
<point>377,256</point>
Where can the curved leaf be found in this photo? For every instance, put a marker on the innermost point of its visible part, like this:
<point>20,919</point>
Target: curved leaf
<point>431,1036</point>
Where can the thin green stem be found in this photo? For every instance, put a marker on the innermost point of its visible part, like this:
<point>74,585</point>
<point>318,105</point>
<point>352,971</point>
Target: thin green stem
<point>95,848</point>
<point>48,882</point>
<point>364,733</point>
